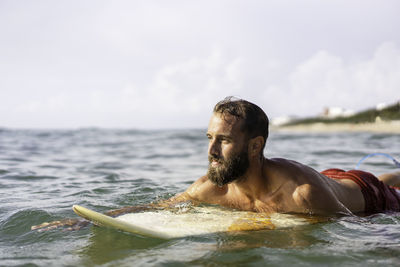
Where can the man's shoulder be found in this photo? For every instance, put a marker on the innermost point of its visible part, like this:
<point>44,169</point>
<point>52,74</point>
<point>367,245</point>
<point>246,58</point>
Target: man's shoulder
<point>290,170</point>
<point>203,188</point>
<point>282,163</point>
<point>200,183</point>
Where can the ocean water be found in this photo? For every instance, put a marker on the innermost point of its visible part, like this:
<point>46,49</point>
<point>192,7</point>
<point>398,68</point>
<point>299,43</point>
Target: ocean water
<point>44,172</point>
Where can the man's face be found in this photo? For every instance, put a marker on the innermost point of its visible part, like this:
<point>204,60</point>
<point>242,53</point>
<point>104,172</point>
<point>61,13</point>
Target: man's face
<point>227,149</point>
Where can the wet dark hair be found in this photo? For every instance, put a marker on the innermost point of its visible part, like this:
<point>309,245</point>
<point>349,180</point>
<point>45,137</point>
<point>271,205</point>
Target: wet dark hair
<point>256,122</point>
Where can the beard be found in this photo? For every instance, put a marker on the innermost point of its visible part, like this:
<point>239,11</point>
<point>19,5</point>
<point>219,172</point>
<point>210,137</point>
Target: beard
<point>230,169</point>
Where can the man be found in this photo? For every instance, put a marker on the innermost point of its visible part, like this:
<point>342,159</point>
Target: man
<point>240,177</point>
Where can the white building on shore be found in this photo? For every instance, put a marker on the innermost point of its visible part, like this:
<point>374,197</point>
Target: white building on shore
<point>334,112</point>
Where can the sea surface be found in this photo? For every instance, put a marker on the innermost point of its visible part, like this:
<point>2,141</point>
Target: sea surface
<point>44,172</point>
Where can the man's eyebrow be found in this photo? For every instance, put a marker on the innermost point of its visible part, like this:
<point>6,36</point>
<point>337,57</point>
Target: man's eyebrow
<point>224,136</point>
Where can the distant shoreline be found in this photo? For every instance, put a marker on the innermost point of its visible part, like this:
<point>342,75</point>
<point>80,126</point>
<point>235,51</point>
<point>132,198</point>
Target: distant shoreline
<point>319,127</point>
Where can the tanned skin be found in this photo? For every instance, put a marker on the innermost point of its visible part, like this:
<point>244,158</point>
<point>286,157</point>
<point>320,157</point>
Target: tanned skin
<point>268,185</point>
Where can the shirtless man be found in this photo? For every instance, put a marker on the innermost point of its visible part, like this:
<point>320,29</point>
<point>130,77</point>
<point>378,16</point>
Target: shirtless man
<point>240,177</point>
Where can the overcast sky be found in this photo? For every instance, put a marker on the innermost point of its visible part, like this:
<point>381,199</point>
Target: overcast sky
<point>164,64</point>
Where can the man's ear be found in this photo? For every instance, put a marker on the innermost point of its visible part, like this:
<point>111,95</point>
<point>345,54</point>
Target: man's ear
<point>255,146</point>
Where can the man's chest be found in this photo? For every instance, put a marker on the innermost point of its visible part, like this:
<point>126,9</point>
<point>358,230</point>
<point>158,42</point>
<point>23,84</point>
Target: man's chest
<point>278,202</point>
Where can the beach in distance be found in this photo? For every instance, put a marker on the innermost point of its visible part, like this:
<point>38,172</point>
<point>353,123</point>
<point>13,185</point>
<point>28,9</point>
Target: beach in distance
<point>392,127</point>
<point>384,118</point>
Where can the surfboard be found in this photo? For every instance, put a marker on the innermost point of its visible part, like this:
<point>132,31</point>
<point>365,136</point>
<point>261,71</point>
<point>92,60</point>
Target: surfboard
<point>168,224</point>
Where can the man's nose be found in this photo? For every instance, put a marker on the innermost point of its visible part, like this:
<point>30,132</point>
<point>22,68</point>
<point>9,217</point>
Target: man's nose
<point>213,149</point>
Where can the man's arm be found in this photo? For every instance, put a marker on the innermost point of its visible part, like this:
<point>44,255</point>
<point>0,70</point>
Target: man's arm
<point>194,194</point>
<point>78,223</point>
<point>314,199</point>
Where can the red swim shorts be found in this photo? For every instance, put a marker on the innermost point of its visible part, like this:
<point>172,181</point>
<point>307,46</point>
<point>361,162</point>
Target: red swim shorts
<point>378,196</point>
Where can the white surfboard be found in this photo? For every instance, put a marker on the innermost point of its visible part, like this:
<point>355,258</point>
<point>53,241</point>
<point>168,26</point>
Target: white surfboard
<point>167,224</point>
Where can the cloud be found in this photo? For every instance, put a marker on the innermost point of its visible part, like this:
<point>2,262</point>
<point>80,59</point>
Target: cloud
<point>181,94</point>
<point>186,87</point>
<point>325,79</point>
